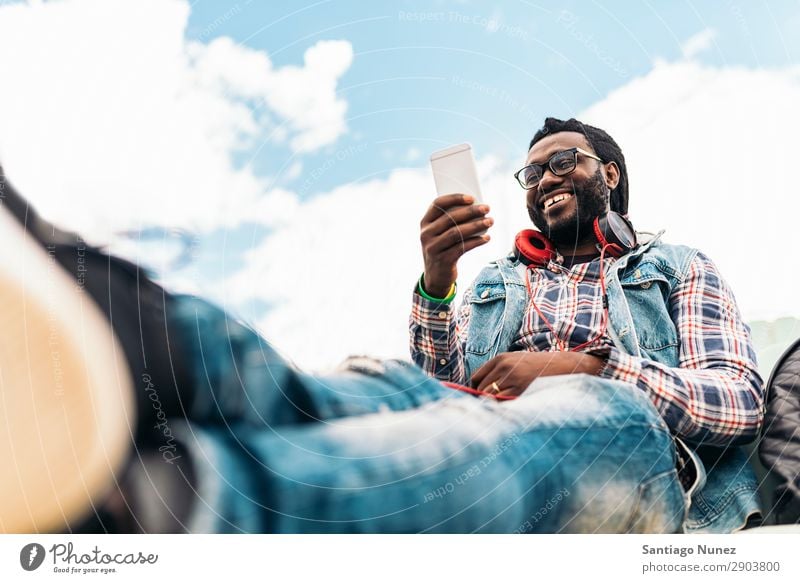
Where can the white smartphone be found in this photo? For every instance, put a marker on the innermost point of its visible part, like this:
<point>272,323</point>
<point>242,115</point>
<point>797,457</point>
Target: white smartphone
<point>454,171</point>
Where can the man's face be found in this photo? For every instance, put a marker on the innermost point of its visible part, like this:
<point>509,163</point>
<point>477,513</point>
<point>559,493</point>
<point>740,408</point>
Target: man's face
<point>585,191</point>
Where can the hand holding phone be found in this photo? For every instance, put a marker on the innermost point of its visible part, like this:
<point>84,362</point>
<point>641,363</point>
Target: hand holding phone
<point>457,220</point>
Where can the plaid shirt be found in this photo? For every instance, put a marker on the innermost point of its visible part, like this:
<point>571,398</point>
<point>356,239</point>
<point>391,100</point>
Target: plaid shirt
<point>715,394</point>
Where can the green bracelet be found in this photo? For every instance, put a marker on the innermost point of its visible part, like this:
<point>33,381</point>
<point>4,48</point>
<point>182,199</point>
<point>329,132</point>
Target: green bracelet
<point>446,300</point>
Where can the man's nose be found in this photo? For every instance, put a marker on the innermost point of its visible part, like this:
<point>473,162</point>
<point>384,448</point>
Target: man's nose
<point>549,181</point>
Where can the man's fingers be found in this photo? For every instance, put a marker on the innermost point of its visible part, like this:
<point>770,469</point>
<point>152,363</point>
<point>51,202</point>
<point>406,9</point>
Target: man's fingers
<point>487,377</point>
<point>456,251</point>
<point>515,392</point>
<point>497,379</point>
<point>442,203</point>
<point>479,374</point>
<point>458,234</point>
<point>456,216</point>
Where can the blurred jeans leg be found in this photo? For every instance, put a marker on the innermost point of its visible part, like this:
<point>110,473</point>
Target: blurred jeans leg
<point>227,376</point>
<point>573,454</point>
<point>236,376</point>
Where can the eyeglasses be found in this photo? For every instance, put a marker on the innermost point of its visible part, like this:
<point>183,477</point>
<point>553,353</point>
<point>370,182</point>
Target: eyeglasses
<point>560,164</point>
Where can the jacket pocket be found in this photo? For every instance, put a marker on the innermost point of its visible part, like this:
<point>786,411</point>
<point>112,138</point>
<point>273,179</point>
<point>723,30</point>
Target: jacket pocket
<point>489,292</point>
<point>647,292</point>
<point>487,304</point>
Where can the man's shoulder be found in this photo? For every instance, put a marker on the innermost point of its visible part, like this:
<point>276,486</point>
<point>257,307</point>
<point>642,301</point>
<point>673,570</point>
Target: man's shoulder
<point>504,262</point>
<point>670,249</point>
<point>676,257</point>
<point>497,270</point>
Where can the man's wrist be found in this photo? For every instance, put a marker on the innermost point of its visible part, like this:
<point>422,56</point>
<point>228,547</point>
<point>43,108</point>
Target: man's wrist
<point>445,300</point>
<point>594,364</point>
<point>622,367</point>
<point>599,360</point>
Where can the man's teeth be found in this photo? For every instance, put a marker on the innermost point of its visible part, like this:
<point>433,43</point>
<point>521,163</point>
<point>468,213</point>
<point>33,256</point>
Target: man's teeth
<point>557,198</point>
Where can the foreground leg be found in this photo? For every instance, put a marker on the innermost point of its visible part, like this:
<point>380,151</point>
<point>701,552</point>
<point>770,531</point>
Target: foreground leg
<point>235,376</point>
<point>573,454</point>
<point>227,379</point>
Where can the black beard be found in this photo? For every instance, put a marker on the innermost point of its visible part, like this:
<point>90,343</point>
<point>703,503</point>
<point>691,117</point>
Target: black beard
<point>591,201</point>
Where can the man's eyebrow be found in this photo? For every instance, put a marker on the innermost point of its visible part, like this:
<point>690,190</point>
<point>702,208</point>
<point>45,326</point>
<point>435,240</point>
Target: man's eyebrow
<point>550,155</point>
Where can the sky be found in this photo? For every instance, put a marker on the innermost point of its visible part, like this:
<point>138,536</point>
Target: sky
<point>273,156</point>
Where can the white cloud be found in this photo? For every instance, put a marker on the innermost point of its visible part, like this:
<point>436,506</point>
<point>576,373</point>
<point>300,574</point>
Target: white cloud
<point>294,171</point>
<point>110,118</point>
<point>305,97</point>
<point>340,274</point>
<point>711,158</point>
<point>694,138</point>
<point>698,43</point>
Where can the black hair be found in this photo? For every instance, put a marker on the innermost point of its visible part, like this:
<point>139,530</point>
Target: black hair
<point>602,144</point>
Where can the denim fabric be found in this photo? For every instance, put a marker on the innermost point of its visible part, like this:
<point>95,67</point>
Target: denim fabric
<point>381,447</point>
<point>639,320</point>
<point>638,285</point>
<point>237,376</point>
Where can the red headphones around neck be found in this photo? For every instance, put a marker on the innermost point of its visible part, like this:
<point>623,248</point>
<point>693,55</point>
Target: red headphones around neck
<point>613,231</point>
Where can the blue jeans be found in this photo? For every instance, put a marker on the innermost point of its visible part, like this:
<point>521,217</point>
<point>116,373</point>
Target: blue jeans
<point>381,447</point>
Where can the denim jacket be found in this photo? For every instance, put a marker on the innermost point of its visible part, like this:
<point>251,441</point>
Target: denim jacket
<point>723,494</point>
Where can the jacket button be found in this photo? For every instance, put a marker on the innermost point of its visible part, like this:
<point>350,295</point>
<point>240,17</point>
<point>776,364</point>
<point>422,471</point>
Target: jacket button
<point>442,361</point>
<point>442,315</point>
<point>647,284</point>
<point>485,294</point>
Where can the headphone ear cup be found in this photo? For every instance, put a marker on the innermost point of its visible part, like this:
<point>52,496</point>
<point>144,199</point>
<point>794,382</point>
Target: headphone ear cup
<point>533,248</point>
<point>615,232</point>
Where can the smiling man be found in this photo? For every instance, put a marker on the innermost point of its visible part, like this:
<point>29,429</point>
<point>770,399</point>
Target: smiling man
<point>608,328</point>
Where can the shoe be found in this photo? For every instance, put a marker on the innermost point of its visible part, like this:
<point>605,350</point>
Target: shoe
<point>67,412</point>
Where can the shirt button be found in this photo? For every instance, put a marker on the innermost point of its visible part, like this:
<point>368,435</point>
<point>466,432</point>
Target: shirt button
<point>442,361</point>
<point>485,294</point>
<point>647,284</point>
<point>442,315</point>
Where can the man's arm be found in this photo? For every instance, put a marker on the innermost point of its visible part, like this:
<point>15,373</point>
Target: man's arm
<point>715,396</point>
<point>438,334</point>
<point>452,226</point>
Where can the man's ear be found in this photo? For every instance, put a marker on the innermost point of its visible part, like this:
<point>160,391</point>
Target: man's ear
<point>611,174</point>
